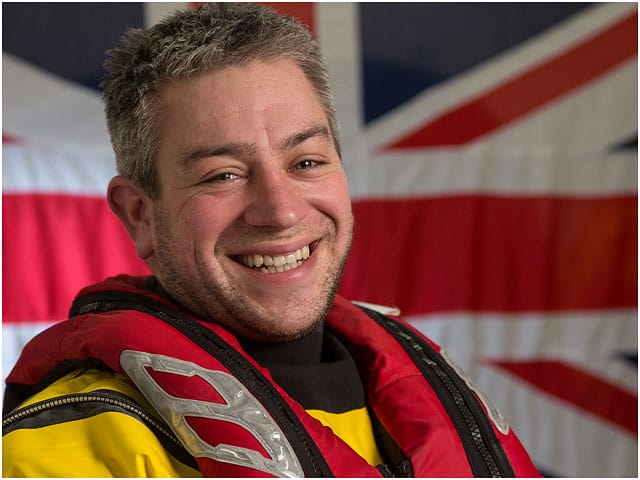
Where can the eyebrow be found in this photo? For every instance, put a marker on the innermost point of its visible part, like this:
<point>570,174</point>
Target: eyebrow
<point>232,149</point>
<point>301,137</point>
<point>239,149</point>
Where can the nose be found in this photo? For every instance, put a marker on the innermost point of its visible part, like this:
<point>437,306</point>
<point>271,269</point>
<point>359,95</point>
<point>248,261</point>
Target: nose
<point>276,200</point>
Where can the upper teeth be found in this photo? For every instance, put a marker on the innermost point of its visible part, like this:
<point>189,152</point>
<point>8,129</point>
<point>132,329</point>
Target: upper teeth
<point>278,263</point>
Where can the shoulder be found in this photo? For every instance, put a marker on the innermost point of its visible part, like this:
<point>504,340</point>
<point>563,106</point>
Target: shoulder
<point>90,423</point>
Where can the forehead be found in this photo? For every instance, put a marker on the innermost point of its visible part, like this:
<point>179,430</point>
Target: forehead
<point>255,87</point>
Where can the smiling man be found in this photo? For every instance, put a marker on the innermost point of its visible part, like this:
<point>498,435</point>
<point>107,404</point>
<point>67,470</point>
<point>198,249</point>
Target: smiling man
<point>236,357</point>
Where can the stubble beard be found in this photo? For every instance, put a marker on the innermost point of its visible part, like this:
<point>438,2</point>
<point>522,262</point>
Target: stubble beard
<point>228,305</point>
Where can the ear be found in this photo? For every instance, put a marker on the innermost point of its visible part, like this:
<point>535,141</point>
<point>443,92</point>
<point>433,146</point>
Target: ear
<point>134,209</point>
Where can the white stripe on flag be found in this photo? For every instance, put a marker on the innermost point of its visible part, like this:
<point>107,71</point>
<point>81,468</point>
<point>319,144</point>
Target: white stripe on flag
<point>82,170</point>
<point>41,107</point>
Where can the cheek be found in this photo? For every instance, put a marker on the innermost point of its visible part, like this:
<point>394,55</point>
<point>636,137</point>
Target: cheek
<point>201,220</point>
<point>335,200</point>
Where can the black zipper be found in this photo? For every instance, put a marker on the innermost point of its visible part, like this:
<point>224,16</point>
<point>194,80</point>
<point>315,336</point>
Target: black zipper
<point>65,408</point>
<point>484,452</point>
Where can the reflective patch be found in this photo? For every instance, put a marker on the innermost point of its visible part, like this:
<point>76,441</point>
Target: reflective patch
<point>494,414</point>
<point>383,309</point>
<point>241,408</point>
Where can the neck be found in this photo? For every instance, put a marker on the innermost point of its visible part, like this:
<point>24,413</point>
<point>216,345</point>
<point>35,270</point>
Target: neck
<point>302,351</point>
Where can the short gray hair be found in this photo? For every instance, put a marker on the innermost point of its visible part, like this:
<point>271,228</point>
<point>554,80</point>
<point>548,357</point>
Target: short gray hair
<point>189,42</point>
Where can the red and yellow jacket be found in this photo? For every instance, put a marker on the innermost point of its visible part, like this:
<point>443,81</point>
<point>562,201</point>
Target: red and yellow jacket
<point>131,385</point>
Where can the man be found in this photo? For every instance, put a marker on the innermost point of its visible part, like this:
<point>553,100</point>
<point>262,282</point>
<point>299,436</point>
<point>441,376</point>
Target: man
<point>236,358</point>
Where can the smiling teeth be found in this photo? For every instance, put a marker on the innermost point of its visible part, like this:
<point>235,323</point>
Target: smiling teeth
<point>278,263</point>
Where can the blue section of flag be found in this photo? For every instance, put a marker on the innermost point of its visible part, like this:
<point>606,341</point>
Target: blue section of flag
<point>628,144</point>
<point>629,357</point>
<point>67,39</point>
<point>409,47</point>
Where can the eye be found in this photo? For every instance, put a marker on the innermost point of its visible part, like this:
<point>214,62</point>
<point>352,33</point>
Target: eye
<point>224,177</point>
<point>305,164</point>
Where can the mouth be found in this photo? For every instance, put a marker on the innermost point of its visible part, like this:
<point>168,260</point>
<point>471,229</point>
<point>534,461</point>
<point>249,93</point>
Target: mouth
<point>277,263</point>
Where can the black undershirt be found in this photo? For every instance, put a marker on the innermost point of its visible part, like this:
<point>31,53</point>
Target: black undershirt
<point>316,370</point>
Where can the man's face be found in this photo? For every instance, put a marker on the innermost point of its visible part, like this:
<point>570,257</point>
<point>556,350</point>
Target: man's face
<point>250,179</point>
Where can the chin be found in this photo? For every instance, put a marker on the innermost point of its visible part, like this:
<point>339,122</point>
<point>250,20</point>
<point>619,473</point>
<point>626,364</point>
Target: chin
<point>272,327</point>
<point>278,334</point>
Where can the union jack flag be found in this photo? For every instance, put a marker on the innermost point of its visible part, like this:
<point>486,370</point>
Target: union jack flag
<point>492,157</point>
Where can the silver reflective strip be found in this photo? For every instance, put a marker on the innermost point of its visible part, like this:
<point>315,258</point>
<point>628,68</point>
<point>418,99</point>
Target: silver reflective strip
<point>494,414</point>
<point>383,309</point>
<point>242,409</point>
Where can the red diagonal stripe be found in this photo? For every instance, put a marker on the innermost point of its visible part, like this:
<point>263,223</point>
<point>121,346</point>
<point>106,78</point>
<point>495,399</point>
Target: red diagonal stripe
<point>529,91</point>
<point>581,389</point>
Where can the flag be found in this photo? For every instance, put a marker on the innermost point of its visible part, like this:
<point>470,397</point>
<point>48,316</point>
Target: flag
<point>491,151</point>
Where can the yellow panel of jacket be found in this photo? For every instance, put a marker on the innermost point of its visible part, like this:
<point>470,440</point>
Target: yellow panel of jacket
<point>108,444</point>
<point>116,444</point>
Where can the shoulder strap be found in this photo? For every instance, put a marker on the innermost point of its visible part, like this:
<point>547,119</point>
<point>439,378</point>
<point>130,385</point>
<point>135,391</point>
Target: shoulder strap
<point>484,451</point>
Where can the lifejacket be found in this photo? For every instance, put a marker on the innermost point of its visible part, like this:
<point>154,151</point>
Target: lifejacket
<point>235,420</point>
